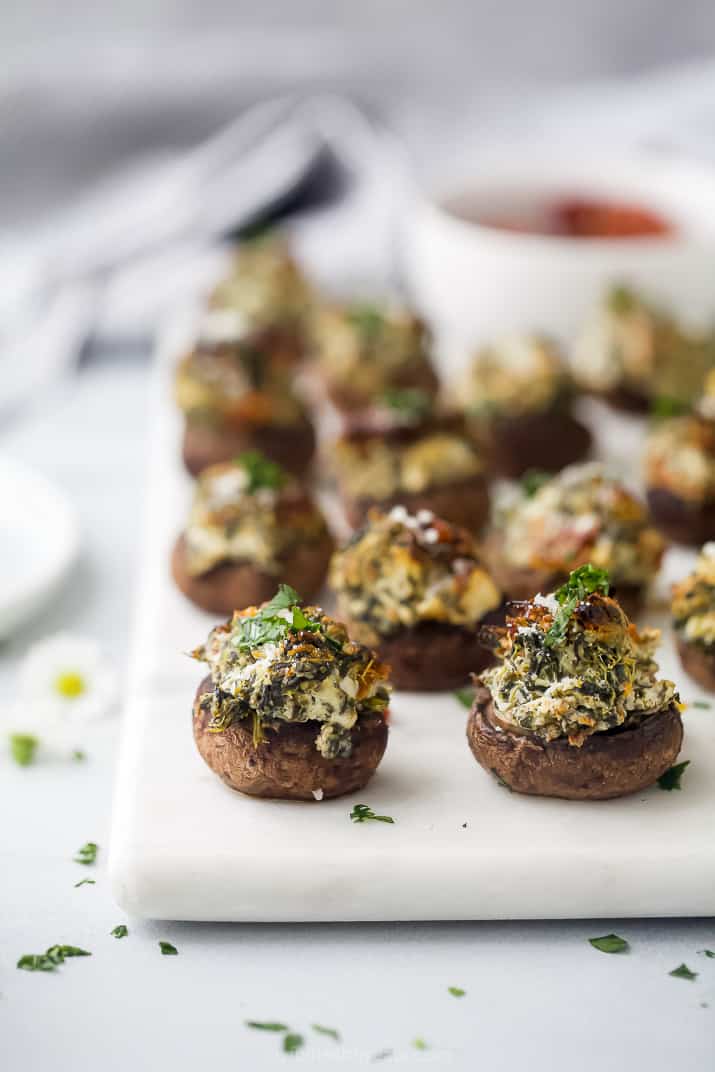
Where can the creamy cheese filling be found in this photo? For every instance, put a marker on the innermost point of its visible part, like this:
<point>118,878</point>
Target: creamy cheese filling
<point>693,603</point>
<point>680,456</point>
<point>378,469</point>
<point>522,374</point>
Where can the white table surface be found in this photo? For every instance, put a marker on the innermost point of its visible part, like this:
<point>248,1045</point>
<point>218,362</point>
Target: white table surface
<point>538,996</point>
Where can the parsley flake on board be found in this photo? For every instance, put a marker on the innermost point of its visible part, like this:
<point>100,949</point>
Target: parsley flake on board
<point>85,882</point>
<point>266,1025</point>
<point>329,1031</point>
<point>363,813</point>
<point>672,777</point>
<point>683,972</point>
<point>707,953</point>
<point>22,748</point>
<point>49,960</point>
<point>87,854</point>
<point>456,991</point>
<point>610,943</point>
<point>582,583</point>
<point>261,471</point>
<point>120,931</point>
<point>168,950</point>
<point>465,696</point>
<point>703,704</point>
<point>292,1042</point>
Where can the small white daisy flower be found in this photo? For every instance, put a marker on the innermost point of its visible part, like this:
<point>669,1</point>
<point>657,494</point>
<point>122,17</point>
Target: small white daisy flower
<point>64,683</point>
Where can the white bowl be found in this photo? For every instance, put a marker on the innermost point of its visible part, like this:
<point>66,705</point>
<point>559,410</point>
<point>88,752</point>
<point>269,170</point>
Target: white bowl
<point>39,543</point>
<point>475,282</point>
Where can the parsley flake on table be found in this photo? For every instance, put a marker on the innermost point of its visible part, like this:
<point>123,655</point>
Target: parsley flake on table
<point>703,704</point>
<point>168,950</point>
<point>329,1031</point>
<point>49,960</point>
<point>22,748</point>
<point>456,991</point>
<point>465,696</point>
<point>362,813</point>
<point>610,943</point>
<point>292,1042</point>
<point>420,1044</point>
<point>683,972</point>
<point>671,779</point>
<point>266,1025</point>
<point>707,953</point>
<point>582,583</point>
<point>87,854</point>
<point>120,931</point>
<point>85,882</point>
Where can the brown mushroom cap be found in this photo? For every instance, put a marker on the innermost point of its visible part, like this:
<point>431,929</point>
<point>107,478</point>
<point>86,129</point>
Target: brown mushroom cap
<point>608,764</point>
<point>286,765</point>
<point>699,662</point>
<point>680,520</point>
<point>433,656</point>
<point>462,502</point>
<point>232,585</point>
<point>292,446</point>
<point>548,441</point>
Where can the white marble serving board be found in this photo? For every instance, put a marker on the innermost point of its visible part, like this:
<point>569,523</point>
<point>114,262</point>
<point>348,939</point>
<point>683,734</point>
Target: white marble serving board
<point>184,846</point>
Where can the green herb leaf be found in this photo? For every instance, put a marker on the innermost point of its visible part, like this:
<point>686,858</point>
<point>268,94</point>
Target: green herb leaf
<point>465,696</point>
<point>269,624</point>
<point>36,962</point>
<point>266,1025</point>
<point>707,953</point>
<point>582,583</point>
<point>79,755</point>
<point>410,402</point>
<point>664,406</point>
<point>610,943</point>
<point>59,952</point>
<point>168,950</point>
<point>22,748</point>
<point>120,931</point>
<point>683,972</point>
<point>261,471</point>
<point>532,480</point>
<point>85,882</point>
<point>368,320</point>
<point>672,777</point>
<point>420,1044</point>
<point>329,1031</point>
<point>87,854</point>
<point>703,704</point>
<point>621,301</point>
<point>292,1042</point>
<point>362,813</point>
<point>456,991</point>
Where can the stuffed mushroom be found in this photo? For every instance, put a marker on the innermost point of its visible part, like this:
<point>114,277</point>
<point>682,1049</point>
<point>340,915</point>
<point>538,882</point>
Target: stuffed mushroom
<point>517,398</point>
<point>630,353</point>
<point>680,472</point>
<point>401,451</point>
<point>693,613</point>
<point>363,350</point>
<point>581,515</point>
<point>413,588</point>
<point>251,526</point>
<point>291,708</point>
<point>575,708</point>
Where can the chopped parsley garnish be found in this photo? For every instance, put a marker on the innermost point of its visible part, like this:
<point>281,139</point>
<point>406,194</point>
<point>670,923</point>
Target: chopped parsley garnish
<point>456,991</point>
<point>22,748</point>
<point>168,950</point>
<point>621,301</point>
<point>261,471</point>
<point>87,854</point>
<point>266,1025</point>
<point>411,402</point>
<point>672,777</point>
<point>120,931</point>
<point>465,696</point>
<point>610,943</point>
<point>48,961</point>
<point>582,583</point>
<point>85,882</point>
<point>703,704</point>
<point>665,406</point>
<point>532,480</point>
<point>368,320</point>
<point>292,1042</point>
<point>362,813</point>
<point>329,1031</point>
<point>683,972</point>
<point>270,624</point>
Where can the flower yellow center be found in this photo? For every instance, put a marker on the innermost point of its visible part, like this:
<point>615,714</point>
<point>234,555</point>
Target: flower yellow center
<point>70,684</point>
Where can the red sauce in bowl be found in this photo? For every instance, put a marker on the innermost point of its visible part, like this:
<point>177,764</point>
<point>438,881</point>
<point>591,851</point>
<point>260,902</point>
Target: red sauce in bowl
<point>583,217</point>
